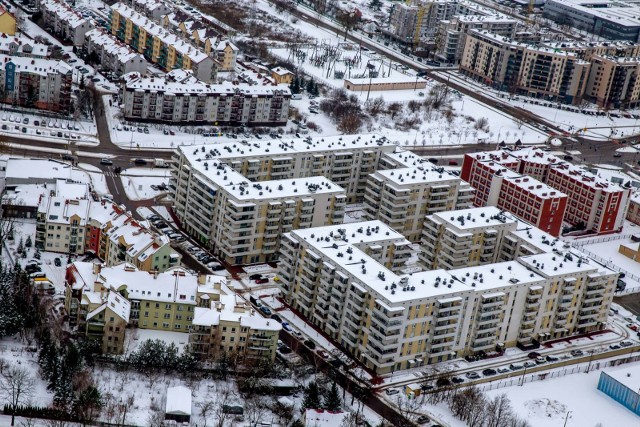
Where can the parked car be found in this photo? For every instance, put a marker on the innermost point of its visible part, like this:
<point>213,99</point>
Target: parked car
<point>626,344</point>
<point>473,375</point>
<point>489,372</point>
<point>632,326</point>
<point>276,318</point>
<point>529,364</point>
<point>255,277</point>
<point>140,162</point>
<point>422,419</point>
<point>262,281</point>
<point>552,358</point>
<point>614,346</point>
<point>286,327</point>
<point>515,366</point>
<point>265,310</point>
<point>457,380</point>
<point>540,360</point>
<point>576,353</point>
<point>310,344</point>
<point>391,391</point>
<point>533,355</point>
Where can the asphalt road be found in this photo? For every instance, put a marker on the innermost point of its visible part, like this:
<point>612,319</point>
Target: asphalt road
<point>631,302</point>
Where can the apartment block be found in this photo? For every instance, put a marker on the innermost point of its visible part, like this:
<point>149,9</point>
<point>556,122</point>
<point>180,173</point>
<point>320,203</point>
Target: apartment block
<point>39,83</point>
<point>8,24</point>
<point>519,193</point>
<point>154,9</point>
<point>452,33</point>
<point>633,214</point>
<point>179,97</point>
<point>614,83</point>
<point>392,321</point>
<point>416,22</point>
<point>534,71</point>
<point>403,197</point>
<point>480,236</point>
<point>593,202</point>
<point>159,45</point>
<point>103,301</point>
<point>64,22</point>
<point>114,55</point>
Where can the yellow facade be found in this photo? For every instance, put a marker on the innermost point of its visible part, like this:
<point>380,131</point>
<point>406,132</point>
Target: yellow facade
<point>7,23</point>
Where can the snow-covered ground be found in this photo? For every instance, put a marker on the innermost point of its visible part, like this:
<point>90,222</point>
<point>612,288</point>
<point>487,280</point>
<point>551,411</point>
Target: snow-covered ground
<point>98,180</point>
<point>138,182</point>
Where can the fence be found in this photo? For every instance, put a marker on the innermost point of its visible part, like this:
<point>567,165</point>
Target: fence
<point>611,265</point>
<point>594,366</point>
<point>580,244</point>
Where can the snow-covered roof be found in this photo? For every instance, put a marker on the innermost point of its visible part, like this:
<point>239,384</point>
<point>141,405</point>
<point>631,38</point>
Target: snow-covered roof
<point>112,45</point>
<point>65,13</point>
<point>535,187</point>
<point>21,45</point>
<point>40,66</point>
<point>27,194</point>
<point>568,262</point>
<point>185,49</point>
<point>42,170</point>
<point>475,218</point>
<point>497,275</point>
<point>424,174</point>
<point>180,82</point>
<point>178,401</point>
<point>60,209</point>
<point>322,418</point>
<point>113,301</point>
<point>621,13</point>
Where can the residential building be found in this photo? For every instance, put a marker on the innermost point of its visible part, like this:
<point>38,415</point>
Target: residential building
<point>69,222</point>
<point>106,319</point>
<point>179,97</point>
<point>391,321</point>
<point>239,198</point>
<point>22,46</point>
<point>633,214</point>
<point>64,22</point>
<point>154,9</point>
<point>591,202</point>
<point>611,20</point>
<point>39,83</point>
<point>534,71</point>
<point>281,75</point>
<point>403,197</point>
<point>113,55</point>
<point>521,194</point>
<point>614,83</point>
<point>480,236</point>
<point>413,24</point>
<point>159,45</point>
<point>452,33</point>
<point>203,306</point>
<point>8,24</point>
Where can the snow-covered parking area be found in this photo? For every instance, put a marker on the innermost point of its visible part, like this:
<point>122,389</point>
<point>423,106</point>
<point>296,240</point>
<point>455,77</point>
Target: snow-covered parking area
<point>145,183</point>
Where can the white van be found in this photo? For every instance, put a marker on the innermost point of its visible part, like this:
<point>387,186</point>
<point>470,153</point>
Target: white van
<point>296,96</point>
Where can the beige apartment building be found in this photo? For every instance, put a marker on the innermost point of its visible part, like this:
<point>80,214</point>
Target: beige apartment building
<point>613,82</point>
<point>403,197</point>
<point>525,69</point>
<point>392,321</point>
<point>240,198</point>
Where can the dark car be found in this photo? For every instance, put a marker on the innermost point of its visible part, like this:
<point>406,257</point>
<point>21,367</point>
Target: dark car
<point>57,262</point>
<point>489,371</point>
<point>457,380</point>
<point>265,310</point>
<point>422,419</point>
<point>32,268</point>
<point>533,355</point>
<point>255,277</point>
<point>568,158</point>
<point>443,382</point>
<point>310,344</point>
<point>140,162</point>
<point>576,353</point>
<point>276,318</point>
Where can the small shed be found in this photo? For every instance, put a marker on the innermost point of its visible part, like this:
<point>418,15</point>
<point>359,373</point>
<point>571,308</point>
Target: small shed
<point>412,390</point>
<point>178,407</point>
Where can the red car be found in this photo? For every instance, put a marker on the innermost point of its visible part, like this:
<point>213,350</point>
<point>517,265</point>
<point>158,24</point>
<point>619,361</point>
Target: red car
<point>261,281</point>
<point>632,326</point>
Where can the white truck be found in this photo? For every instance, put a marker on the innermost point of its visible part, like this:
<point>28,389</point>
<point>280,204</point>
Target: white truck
<point>160,163</point>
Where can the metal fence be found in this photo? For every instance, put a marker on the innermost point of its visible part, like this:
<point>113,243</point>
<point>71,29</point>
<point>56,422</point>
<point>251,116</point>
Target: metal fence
<point>594,366</point>
<point>611,265</point>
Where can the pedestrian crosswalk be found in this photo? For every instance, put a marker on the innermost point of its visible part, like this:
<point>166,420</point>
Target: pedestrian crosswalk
<point>111,174</point>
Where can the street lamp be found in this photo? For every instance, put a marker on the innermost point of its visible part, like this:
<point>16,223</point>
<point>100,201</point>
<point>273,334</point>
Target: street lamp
<point>590,359</point>
<point>523,374</point>
<point>566,418</point>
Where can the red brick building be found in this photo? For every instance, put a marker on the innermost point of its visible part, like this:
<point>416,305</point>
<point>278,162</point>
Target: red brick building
<point>555,190</point>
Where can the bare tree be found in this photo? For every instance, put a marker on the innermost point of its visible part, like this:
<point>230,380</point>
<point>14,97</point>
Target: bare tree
<point>16,387</point>
<point>408,408</point>
<point>223,397</point>
<point>205,409</point>
<point>393,109</point>
<point>375,106</point>
<point>255,407</point>
<point>499,411</point>
<point>350,124</point>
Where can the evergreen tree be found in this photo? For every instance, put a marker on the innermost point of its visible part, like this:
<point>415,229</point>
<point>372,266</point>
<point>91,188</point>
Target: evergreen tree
<point>375,4</point>
<point>20,246</point>
<point>311,396</point>
<point>11,231</point>
<point>310,85</point>
<point>28,243</point>
<point>332,401</point>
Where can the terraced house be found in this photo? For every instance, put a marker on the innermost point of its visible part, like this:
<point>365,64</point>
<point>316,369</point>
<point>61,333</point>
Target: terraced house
<point>159,45</point>
<point>102,301</point>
